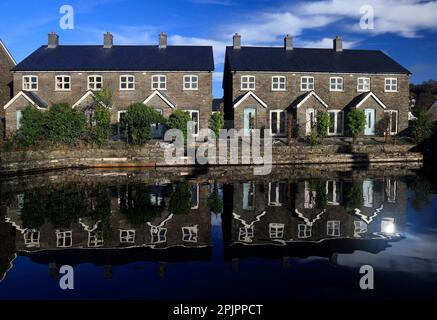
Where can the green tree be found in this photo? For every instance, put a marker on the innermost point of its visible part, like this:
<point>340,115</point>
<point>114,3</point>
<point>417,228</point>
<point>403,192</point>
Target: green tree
<point>422,128</point>
<point>104,97</point>
<point>216,123</point>
<point>102,125</point>
<point>356,122</point>
<point>32,126</point>
<point>137,122</point>
<point>178,120</point>
<point>354,197</point>
<point>65,125</point>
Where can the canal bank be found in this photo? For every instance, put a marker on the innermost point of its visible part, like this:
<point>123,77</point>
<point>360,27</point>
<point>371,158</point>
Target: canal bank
<point>152,155</point>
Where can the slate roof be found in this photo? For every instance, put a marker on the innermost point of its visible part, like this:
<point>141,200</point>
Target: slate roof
<point>36,99</point>
<point>119,58</point>
<point>311,60</point>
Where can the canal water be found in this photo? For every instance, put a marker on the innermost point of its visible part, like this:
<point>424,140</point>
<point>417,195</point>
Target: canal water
<point>220,234</point>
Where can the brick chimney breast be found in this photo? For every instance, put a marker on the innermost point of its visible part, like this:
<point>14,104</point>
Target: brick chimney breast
<point>162,40</point>
<point>237,41</point>
<point>338,44</point>
<point>53,40</point>
<point>288,42</point>
<point>108,40</point>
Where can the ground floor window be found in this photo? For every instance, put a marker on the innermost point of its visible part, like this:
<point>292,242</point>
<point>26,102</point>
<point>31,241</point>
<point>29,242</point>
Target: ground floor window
<point>277,193</point>
<point>19,116</point>
<point>278,120</point>
<point>276,230</point>
<point>336,122</point>
<point>249,196</point>
<point>31,238</point>
<point>304,231</point>
<point>311,120</point>
<point>95,239</point>
<point>393,122</point>
<point>127,236</point>
<point>195,117</point>
<point>334,192</point>
<point>246,234</point>
<point>120,119</point>
<point>157,130</point>
<point>64,239</point>
<point>333,228</point>
<point>190,234</point>
<point>159,235</point>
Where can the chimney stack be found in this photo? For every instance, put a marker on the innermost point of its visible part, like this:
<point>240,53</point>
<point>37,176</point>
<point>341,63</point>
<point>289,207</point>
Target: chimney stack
<point>108,40</point>
<point>338,44</point>
<point>288,42</point>
<point>162,40</point>
<point>53,40</point>
<point>237,41</point>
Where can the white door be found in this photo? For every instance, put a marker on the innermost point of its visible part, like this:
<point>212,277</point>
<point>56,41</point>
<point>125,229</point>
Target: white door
<point>310,120</point>
<point>370,122</point>
<point>249,120</point>
<point>157,130</point>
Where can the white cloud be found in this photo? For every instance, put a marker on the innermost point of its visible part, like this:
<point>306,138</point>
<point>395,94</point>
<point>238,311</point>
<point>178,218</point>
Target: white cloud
<point>326,43</point>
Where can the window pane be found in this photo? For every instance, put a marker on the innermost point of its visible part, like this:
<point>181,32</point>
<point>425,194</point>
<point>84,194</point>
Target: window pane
<point>282,122</point>
<point>274,124</point>
<point>340,123</point>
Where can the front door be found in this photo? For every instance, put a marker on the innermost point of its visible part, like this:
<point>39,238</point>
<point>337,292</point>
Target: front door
<point>370,122</point>
<point>249,120</point>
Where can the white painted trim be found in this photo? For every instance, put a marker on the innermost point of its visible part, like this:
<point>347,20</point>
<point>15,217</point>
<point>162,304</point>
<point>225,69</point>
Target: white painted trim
<point>22,94</point>
<point>370,84</point>
<point>86,95</point>
<point>312,93</point>
<point>8,52</point>
<point>88,81</point>
<point>248,76</point>
<point>63,82</point>
<point>285,83</point>
<point>190,82</point>
<point>119,114</point>
<point>336,111</point>
<point>127,89</point>
<point>385,84</point>
<point>159,94</point>
<point>159,82</point>
<point>270,123</point>
<point>371,94</point>
<point>29,76</point>
<point>336,83</point>
<point>253,95</point>
<point>397,121</point>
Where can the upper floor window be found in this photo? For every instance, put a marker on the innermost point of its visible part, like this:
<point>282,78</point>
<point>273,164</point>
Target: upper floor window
<point>363,84</point>
<point>30,83</point>
<point>336,84</point>
<point>63,83</point>
<point>95,83</point>
<point>391,85</point>
<point>306,83</point>
<point>127,82</point>
<point>279,83</point>
<point>159,82</point>
<point>247,82</point>
<point>191,82</point>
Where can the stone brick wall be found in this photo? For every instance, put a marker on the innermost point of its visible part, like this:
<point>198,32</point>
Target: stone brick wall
<point>6,64</point>
<point>282,100</point>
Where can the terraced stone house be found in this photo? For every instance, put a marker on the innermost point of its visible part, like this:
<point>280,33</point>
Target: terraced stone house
<point>162,76</point>
<point>7,62</point>
<point>283,88</point>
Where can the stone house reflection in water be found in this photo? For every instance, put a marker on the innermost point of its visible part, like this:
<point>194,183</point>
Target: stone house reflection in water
<point>285,218</point>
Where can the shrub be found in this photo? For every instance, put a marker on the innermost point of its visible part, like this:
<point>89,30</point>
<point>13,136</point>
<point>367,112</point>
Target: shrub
<point>64,124</point>
<point>356,123</point>
<point>354,197</point>
<point>422,128</point>
<point>104,96</point>
<point>322,124</point>
<point>137,122</point>
<point>313,138</point>
<point>32,126</point>
<point>178,120</point>
<point>103,125</point>
<point>216,123</point>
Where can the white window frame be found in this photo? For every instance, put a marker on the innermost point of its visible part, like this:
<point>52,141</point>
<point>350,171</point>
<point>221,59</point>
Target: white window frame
<point>198,120</point>
<point>336,123</point>
<point>160,233</point>
<point>278,124</point>
<point>190,234</point>
<point>31,238</point>
<point>246,234</point>
<point>338,85</point>
<point>248,83</point>
<point>156,80</point>
<point>127,236</point>
<point>307,83</point>
<point>277,186</point>
<point>279,81</point>
<point>92,84</point>
<point>124,79</point>
<point>363,85</point>
<point>391,82</point>
<point>391,190</point>
<point>304,231</point>
<point>60,79</point>
<point>196,194</point>
<point>95,239</point>
<point>61,239</point>
<point>309,197</point>
<point>18,117</point>
<point>192,85</point>
<point>334,183</point>
<point>276,230</point>
<point>27,80</point>
<point>334,226</point>
<point>397,121</point>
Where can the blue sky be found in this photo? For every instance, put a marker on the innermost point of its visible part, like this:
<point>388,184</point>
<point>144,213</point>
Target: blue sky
<point>404,29</point>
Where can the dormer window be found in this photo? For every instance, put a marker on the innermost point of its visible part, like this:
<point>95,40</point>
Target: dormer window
<point>63,83</point>
<point>30,83</point>
<point>306,83</point>
<point>247,83</point>
<point>159,82</point>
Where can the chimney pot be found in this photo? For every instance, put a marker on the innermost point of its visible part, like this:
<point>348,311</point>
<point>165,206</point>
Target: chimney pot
<point>338,44</point>
<point>53,40</point>
<point>288,42</point>
<point>237,41</point>
<point>108,40</point>
<point>162,40</point>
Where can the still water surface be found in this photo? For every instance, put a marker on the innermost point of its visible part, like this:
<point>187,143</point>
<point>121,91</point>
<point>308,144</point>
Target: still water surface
<point>298,233</point>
